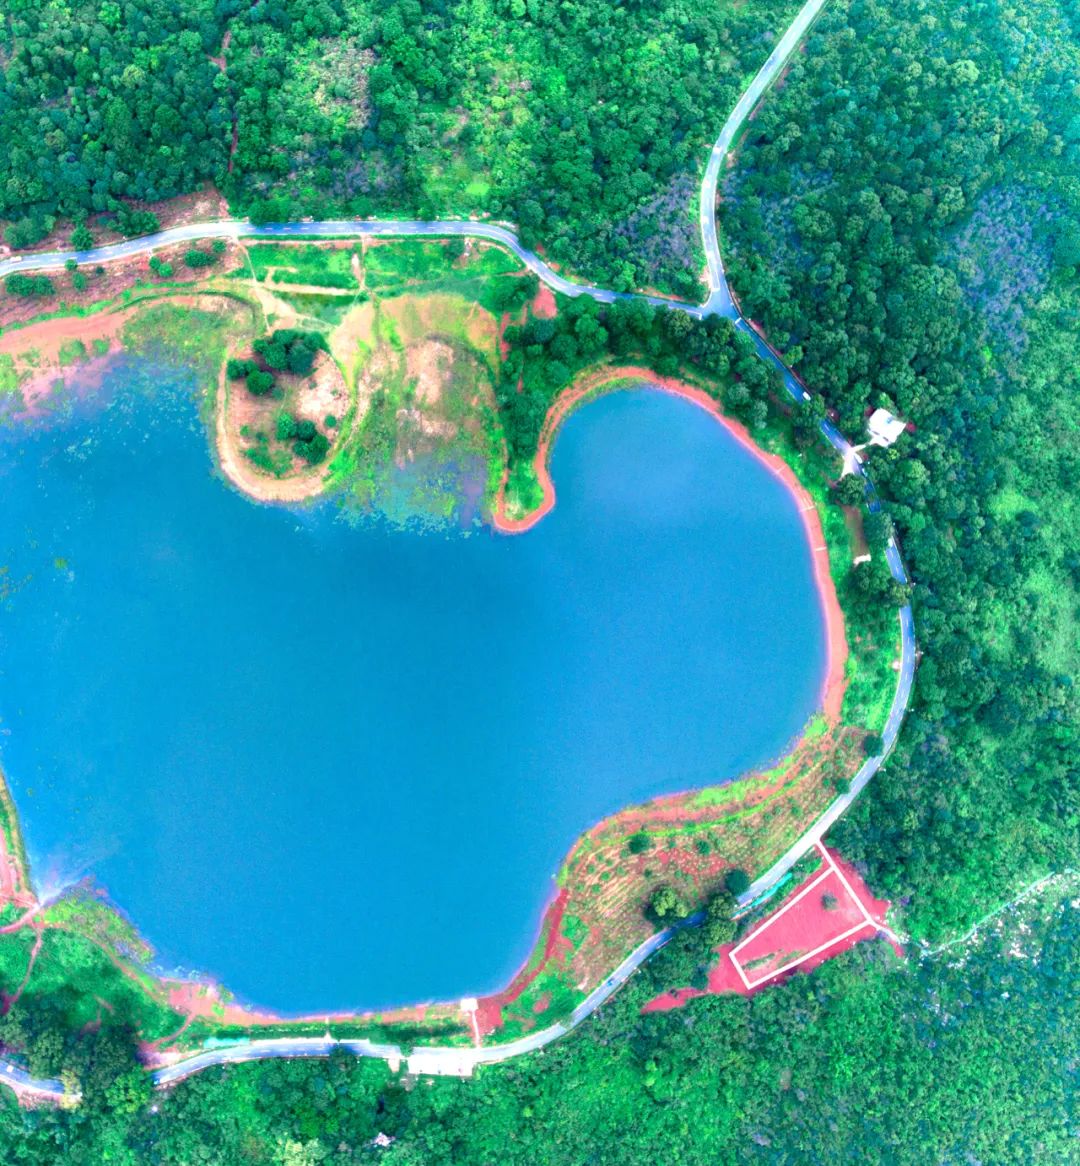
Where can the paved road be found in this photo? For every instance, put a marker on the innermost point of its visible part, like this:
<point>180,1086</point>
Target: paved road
<point>270,1048</point>
<point>329,229</point>
<point>719,300</point>
<point>462,1061</point>
<point>31,1087</point>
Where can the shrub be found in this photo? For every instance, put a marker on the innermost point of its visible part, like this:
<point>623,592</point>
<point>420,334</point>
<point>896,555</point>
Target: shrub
<point>218,246</point>
<point>639,843</point>
<point>667,906</point>
<point>849,491</point>
<point>259,383</point>
<point>82,239</point>
<point>719,927</point>
<point>331,421</point>
<point>132,222</point>
<point>197,258</point>
<point>290,348</point>
<point>829,901</point>
<point>273,353</point>
<point>237,369</point>
<point>26,232</point>
<point>286,427</point>
<point>29,285</point>
<point>313,451</point>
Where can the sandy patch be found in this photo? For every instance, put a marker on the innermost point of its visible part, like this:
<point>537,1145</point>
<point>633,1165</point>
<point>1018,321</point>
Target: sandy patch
<point>428,365</point>
<point>311,398</point>
<point>420,317</point>
<point>323,393</point>
<point>355,336</point>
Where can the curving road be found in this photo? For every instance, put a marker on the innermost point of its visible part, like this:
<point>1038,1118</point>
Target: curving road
<point>719,300</point>
<point>332,229</point>
<point>32,1089</point>
<point>462,1061</point>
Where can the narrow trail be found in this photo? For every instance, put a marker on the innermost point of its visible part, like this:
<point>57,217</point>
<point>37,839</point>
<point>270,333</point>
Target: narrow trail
<point>22,921</point>
<point>34,952</point>
<point>463,1061</point>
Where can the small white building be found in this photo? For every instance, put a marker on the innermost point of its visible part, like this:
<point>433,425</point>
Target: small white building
<point>884,427</point>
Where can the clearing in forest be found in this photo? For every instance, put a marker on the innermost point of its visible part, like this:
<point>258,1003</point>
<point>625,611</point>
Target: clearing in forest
<point>828,913</point>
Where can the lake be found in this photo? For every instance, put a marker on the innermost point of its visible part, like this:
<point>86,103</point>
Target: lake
<point>336,765</point>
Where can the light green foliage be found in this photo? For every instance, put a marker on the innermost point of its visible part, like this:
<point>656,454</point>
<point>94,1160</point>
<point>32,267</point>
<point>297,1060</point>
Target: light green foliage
<point>583,122</point>
<point>9,377</point>
<point>72,352</point>
<point>321,266</point>
<point>941,289</point>
<point>667,906</point>
<point>188,336</point>
<point>913,1049</point>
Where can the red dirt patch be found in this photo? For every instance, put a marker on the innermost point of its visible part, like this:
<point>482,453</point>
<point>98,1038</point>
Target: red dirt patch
<point>553,945</point>
<point>828,913</point>
<point>543,305</point>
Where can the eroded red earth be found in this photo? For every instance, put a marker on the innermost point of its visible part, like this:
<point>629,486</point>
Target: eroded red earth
<point>826,914</point>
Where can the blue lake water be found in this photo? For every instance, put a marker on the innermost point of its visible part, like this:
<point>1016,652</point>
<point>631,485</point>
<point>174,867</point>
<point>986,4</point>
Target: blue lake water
<point>337,766</point>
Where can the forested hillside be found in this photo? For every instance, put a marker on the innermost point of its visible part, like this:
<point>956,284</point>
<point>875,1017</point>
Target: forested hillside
<point>904,220</point>
<point>968,1056</point>
<point>583,122</point>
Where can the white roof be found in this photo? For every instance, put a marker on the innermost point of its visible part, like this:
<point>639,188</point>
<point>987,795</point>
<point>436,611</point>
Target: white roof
<point>884,427</point>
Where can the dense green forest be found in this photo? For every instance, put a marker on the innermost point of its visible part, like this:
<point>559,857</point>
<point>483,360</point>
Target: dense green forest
<point>905,222</point>
<point>584,122</point>
<point>967,1056</point>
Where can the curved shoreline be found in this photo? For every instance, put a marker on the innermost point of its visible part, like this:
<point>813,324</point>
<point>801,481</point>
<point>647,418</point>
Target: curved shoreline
<point>450,1059</point>
<point>612,379</point>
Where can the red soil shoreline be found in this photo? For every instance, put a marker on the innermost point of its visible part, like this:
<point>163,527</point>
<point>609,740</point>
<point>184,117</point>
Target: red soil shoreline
<point>832,691</point>
<point>204,998</point>
<point>201,998</point>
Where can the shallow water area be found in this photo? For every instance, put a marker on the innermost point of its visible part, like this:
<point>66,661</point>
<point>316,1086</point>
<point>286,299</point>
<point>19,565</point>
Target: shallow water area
<point>336,765</point>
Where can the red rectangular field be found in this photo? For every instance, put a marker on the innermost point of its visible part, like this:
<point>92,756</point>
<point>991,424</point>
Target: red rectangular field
<point>824,916</point>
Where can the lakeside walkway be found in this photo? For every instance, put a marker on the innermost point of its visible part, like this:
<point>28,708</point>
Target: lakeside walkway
<point>449,1060</point>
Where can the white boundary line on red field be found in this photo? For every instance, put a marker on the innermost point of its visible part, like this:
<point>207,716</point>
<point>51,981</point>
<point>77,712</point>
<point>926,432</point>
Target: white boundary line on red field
<point>862,906</point>
<point>801,959</point>
<point>867,921</point>
<point>820,878</point>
